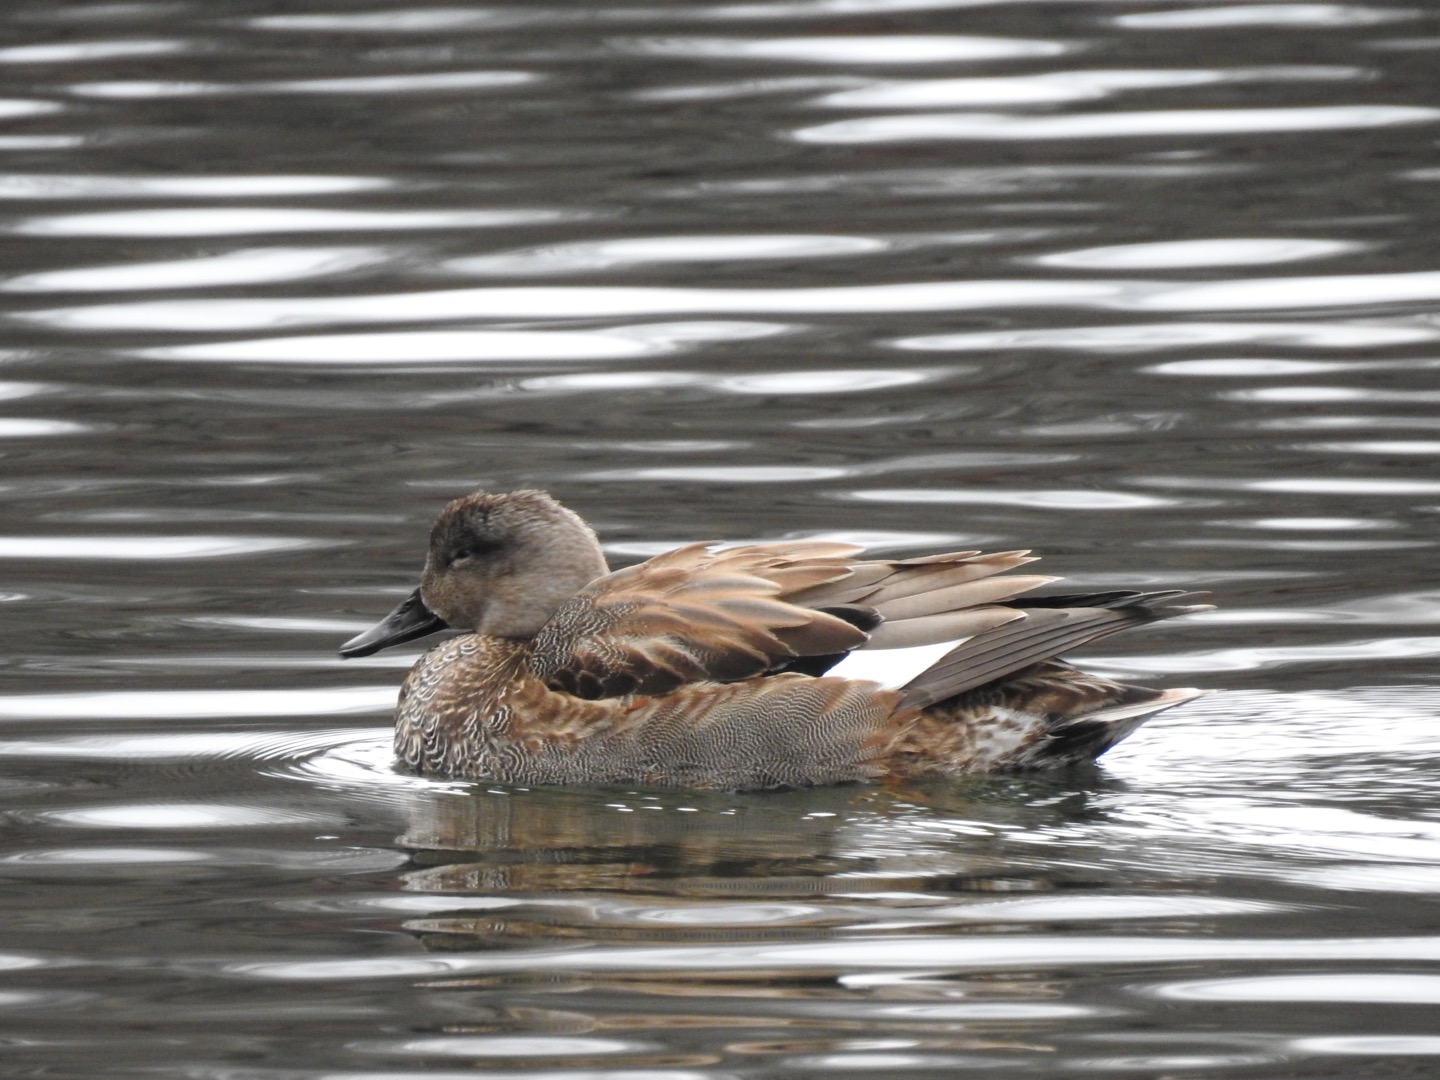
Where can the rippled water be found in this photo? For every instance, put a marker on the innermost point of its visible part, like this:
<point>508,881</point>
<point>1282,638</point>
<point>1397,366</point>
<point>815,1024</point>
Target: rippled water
<point>1150,288</point>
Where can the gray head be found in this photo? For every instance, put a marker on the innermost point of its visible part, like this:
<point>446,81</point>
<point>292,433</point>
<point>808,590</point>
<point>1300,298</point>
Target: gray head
<point>501,563</point>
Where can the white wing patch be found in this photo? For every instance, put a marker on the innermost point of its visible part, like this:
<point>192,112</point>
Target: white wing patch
<point>891,668</point>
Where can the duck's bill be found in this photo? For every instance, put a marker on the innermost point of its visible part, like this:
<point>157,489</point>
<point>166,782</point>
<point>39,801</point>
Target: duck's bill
<point>411,619</point>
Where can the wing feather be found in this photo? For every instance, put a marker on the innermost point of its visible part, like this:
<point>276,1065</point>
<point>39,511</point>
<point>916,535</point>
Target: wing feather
<point>705,614</point>
<point>1040,634</point>
<point>693,615</point>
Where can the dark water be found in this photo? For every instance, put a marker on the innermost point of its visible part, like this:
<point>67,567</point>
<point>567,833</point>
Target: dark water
<point>1149,287</point>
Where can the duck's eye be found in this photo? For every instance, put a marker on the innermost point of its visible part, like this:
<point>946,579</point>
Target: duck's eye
<point>476,548</point>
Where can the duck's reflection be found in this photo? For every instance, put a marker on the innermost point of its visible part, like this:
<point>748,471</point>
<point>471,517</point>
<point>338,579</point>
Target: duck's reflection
<point>645,866</point>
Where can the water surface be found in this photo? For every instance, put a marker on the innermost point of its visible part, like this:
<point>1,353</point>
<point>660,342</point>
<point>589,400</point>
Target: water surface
<point>1149,289</point>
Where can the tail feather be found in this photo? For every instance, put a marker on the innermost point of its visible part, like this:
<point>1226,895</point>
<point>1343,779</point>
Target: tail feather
<point>1043,634</point>
<point>1085,737</point>
<point>1049,715</point>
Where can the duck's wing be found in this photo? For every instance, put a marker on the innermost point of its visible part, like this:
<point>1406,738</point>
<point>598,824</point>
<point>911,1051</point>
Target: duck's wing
<point>699,614</point>
<point>931,599</point>
<point>1044,628</point>
<point>691,615</point>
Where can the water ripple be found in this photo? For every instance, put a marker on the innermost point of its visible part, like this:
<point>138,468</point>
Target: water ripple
<point>579,302</point>
<point>1372,1046</point>
<point>250,220</point>
<point>1009,127</point>
<point>35,427</point>
<point>70,52</point>
<point>405,83</point>
<point>251,266</point>
<point>557,302</point>
<point>16,108</point>
<point>1086,499</point>
<point>1182,254</point>
<point>184,704</point>
<point>1259,294</point>
<point>51,186</point>
<point>415,20</point>
<point>1298,15</point>
<point>896,49</point>
<point>1381,986</point>
<point>597,255</point>
<point>1150,337</point>
<point>183,815</point>
<point>926,954</point>
<point>1057,87</point>
<point>475,346</point>
<point>165,548</point>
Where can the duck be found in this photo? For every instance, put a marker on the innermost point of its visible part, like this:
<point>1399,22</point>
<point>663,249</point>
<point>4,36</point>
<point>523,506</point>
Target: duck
<point>769,665</point>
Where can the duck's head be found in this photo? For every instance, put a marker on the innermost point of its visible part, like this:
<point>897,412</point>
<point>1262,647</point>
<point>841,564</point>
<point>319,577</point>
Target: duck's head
<point>498,564</point>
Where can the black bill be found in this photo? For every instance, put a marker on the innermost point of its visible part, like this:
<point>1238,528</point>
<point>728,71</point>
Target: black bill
<point>411,619</point>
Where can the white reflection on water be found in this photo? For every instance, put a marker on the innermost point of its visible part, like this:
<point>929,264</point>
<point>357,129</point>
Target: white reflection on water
<point>1309,523</point>
<point>591,255</point>
<point>614,301</point>
<point>1317,395</point>
<point>1011,127</point>
<point>568,302</point>
<point>1356,485</point>
<point>32,427</point>
<point>1376,446</point>
<point>252,266</point>
<point>183,816</point>
<point>191,704</point>
<point>18,962</point>
<point>1056,87</point>
<point>1049,499</point>
<point>105,856</point>
<point>70,52</point>
<point>1268,367</point>
<point>441,346</point>
<point>828,9</point>
<point>797,382</point>
<point>246,220</point>
<point>1329,831</point>
<point>1074,907</point>
<point>1362,875</point>
<point>401,21</point>
<point>66,186</point>
<point>962,953</point>
<point>14,108</point>
<point>1370,1045</point>
<point>1147,337</point>
<point>855,48</point>
<point>1258,294</point>
<point>507,1046</point>
<point>823,382</point>
<point>1273,15</point>
<point>733,89</point>
<point>960,459</point>
<point>728,474</point>
<point>1380,986</point>
<point>151,547</point>
<point>1258,658</point>
<point>41,142</point>
<point>414,83</point>
<point>12,390</point>
<point>1180,254</point>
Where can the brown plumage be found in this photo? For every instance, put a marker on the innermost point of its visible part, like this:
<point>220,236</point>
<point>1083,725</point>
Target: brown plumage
<point>708,668</point>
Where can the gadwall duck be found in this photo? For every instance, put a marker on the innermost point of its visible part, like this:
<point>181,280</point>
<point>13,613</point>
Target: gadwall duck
<point>762,666</point>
